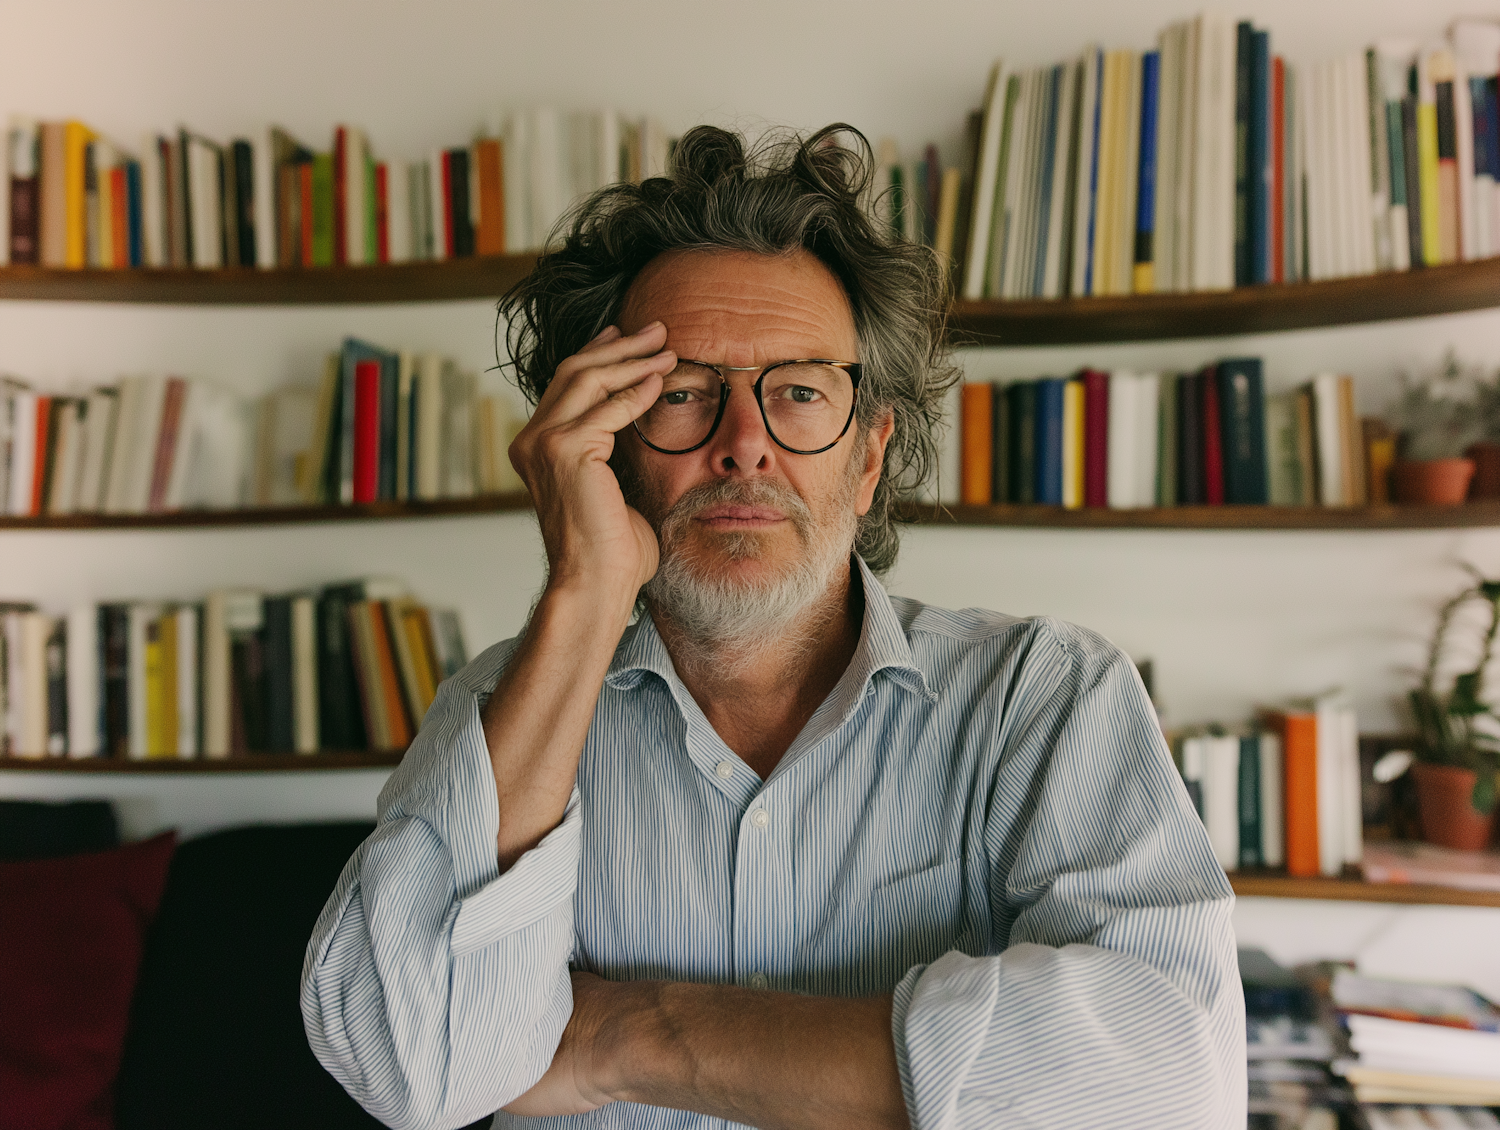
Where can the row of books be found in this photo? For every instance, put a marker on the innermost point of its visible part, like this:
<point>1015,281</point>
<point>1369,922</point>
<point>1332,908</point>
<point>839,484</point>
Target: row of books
<point>380,424</point>
<point>1284,793</point>
<point>1211,162</point>
<point>1124,440</point>
<point>352,666</point>
<point>78,199</point>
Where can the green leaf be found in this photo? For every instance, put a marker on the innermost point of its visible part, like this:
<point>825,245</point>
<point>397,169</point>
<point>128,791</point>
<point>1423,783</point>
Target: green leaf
<point>1483,797</point>
<point>1464,701</point>
<point>1490,590</point>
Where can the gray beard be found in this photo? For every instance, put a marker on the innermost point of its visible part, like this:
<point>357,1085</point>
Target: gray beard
<point>732,623</point>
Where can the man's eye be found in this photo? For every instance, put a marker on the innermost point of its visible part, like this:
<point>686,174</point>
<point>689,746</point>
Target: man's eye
<point>801,394</point>
<point>677,397</point>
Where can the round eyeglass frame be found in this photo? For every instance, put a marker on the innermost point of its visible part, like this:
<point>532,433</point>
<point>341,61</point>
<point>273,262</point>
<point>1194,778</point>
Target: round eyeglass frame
<point>853,368</point>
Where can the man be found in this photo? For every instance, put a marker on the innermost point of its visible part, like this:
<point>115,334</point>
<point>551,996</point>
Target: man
<point>785,851</point>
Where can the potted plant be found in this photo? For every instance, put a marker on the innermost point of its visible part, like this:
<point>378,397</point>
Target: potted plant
<point>1486,451</point>
<point>1438,419</point>
<point>1457,760</point>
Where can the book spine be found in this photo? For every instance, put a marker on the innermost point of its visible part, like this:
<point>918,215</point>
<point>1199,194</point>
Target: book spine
<point>40,450</point>
<point>1095,437</point>
<point>977,443</point>
<point>1259,150</point>
<point>1449,209</point>
<point>1049,424</point>
<point>1416,211</point>
<point>366,431</point>
<point>382,214</point>
<point>304,675</point>
<point>340,721</point>
<point>1242,413</point>
<point>1073,443</point>
<point>279,687</point>
<point>1189,440</point>
<point>445,205</point>
<point>1023,445</point>
<point>1244,52</point>
<point>1249,801</point>
<point>1277,204</point>
<point>1212,431</point>
<point>1144,280</point>
<point>340,195</point>
<point>390,390</point>
<point>999,440</point>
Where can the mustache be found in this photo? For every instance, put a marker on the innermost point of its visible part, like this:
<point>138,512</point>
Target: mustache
<point>742,492</point>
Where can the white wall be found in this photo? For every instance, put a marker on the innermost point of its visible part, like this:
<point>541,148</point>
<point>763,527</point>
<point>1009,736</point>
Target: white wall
<point>1231,618</point>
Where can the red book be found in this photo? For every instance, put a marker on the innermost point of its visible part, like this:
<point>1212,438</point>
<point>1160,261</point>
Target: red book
<point>1095,437</point>
<point>382,212</point>
<point>1213,440</point>
<point>340,194</point>
<point>305,192</point>
<point>39,465</point>
<point>119,217</point>
<point>366,430</point>
<point>448,200</point>
<point>166,442</point>
<point>1278,169</point>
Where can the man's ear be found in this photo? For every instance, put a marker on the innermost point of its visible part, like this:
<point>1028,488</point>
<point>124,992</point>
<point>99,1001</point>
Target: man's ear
<point>877,438</point>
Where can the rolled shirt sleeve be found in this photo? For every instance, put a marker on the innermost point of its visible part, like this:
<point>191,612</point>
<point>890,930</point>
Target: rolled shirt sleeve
<point>1114,997</point>
<point>435,989</point>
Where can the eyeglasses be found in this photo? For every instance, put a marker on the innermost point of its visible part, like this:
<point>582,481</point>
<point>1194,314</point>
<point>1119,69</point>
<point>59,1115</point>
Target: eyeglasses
<point>807,405</point>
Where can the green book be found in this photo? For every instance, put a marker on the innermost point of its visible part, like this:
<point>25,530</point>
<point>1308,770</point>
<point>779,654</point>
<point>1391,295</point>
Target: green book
<point>372,220</point>
<point>1021,447</point>
<point>322,210</point>
<point>1249,800</point>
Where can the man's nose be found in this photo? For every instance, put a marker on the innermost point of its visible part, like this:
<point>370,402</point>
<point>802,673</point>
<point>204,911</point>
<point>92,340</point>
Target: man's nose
<point>741,443</point>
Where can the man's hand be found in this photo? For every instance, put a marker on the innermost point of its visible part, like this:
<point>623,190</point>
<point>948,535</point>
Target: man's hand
<point>592,537</point>
<point>773,1060</point>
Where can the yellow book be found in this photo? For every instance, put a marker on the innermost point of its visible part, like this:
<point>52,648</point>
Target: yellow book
<point>76,137</point>
<point>1104,191</point>
<point>1427,161</point>
<point>102,216</point>
<point>1072,444</point>
<point>153,687</point>
<point>164,741</point>
<point>947,217</point>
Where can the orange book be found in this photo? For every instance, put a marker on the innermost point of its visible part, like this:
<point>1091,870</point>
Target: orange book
<point>39,472</point>
<point>1299,744</point>
<point>491,236</point>
<point>1380,457</point>
<point>120,218</point>
<point>977,437</point>
<point>390,685</point>
<point>413,624</point>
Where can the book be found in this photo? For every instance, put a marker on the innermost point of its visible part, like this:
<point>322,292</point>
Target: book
<point>1244,202</point>
<point>1049,454</point>
<point>1272,799</point>
<point>1297,730</point>
<point>280,692</point>
<point>1073,444</point>
<point>114,661</point>
<point>1189,415</point>
<point>1143,273</point>
<point>304,664</point>
<point>1096,401</point>
<point>1000,438</point>
<point>83,649</point>
<point>23,192</point>
<point>1121,442</point>
<point>341,719</point>
<point>1212,431</point>
<point>1249,797</point>
<point>977,440</point>
<point>1242,429</point>
<point>1085,184</point>
<point>1021,447</point>
<point>1328,440</point>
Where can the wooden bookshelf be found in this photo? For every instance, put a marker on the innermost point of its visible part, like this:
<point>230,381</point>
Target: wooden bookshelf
<point>1469,515</point>
<point>443,281</point>
<point>1278,886</point>
<point>1447,289</point>
<point>275,515</point>
<point>249,763</point>
<point>1258,309</point>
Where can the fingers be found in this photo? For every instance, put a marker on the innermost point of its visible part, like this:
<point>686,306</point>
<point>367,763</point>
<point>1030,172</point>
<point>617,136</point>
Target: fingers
<point>600,360</point>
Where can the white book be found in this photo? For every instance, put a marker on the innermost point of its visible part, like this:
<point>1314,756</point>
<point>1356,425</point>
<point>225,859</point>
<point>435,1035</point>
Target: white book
<point>548,179</point>
<point>263,196</point>
<point>304,675</point>
<point>83,681</point>
<point>1362,219</point>
<point>1315,144</point>
<point>355,154</point>
<point>1221,809</point>
<point>139,445</point>
<point>1121,444</point>
<point>1168,115</point>
<point>98,435</point>
<point>117,465</point>
<point>205,203</point>
<point>66,456</point>
<point>36,627</point>
<point>1332,782</point>
<point>217,474</point>
<point>1007,186</point>
<point>1210,33</point>
<point>1091,64</point>
<point>1349,179</point>
<point>153,207</point>
<point>22,452</point>
<point>1327,439</point>
<point>7,147</point>
<point>515,146</point>
<point>1147,428</point>
<point>1058,219</point>
<point>1005,250</point>
<point>429,430</point>
<point>1187,192</point>
<point>398,245</point>
<point>1020,250</point>
<point>138,624</point>
<point>437,216</point>
<point>1380,165</point>
<point>1272,800</point>
<point>186,621</point>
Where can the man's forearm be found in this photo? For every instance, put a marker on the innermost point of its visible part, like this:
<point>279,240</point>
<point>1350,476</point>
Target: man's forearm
<point>772,1060</point>
<point>537,719</point>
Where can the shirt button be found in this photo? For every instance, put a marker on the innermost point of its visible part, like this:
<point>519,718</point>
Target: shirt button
<point>760,818</point>
<point>757,980</point>
<point>725,769</point>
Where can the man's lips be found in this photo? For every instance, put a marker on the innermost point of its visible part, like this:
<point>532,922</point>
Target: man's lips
<point>739,516</point>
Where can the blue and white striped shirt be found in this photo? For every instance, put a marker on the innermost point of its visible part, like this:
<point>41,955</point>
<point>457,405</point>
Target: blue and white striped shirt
<point>982,818</point>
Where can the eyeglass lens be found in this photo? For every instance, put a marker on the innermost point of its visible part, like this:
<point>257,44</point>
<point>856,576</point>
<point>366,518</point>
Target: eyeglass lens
<point>806,405</point>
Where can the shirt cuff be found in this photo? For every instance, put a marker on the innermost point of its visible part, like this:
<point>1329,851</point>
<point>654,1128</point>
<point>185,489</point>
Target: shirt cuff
<point>540,880</point>
<point>940,1020</point>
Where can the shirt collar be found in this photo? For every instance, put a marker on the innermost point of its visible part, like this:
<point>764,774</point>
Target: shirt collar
<point>883,646</point>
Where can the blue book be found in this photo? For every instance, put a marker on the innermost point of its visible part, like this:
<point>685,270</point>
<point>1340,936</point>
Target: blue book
<point>1260,157</point>
<point>1244,46</point>
<point>1049,429</point>
<point>1145,195</point>
<point>1049,170</point>
<point>133,211</point>
<point>1242,430</point>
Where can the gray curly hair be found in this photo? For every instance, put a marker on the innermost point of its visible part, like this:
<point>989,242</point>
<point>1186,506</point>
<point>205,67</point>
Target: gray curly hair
<point>789,192</point>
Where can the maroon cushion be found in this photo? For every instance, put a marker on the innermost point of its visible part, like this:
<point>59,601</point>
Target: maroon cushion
<point>71,935</point>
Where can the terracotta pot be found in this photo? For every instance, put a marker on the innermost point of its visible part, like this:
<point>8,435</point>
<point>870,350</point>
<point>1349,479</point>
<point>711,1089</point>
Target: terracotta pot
<point>1486,482</point>
<point>1443,482</point>
<point>1448,816</point>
